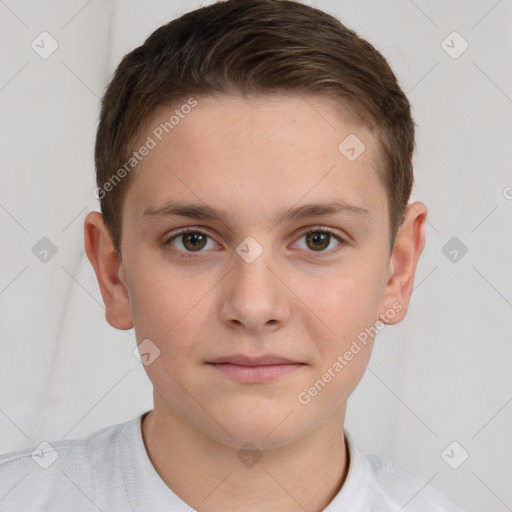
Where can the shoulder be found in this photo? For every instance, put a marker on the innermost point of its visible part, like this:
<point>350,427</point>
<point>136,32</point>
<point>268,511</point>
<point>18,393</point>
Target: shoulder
<point>389,487</point>
<point>400,487</point>
<point>61,475</point>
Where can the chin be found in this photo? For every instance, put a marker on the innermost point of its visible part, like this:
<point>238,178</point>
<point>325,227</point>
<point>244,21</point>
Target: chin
<point>263,430</point>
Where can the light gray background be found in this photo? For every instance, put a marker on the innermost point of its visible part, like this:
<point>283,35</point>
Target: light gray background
<point>442,375</point>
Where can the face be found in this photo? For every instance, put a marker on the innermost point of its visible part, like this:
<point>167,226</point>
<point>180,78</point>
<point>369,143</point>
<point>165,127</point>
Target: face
<point>255,301</point>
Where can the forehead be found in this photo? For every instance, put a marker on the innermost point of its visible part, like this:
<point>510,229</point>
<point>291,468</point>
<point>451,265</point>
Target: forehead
<point>256,152</point>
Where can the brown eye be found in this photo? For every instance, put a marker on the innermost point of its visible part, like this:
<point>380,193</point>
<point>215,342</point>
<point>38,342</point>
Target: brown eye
<point>319,240</point>
<point>194,241</point>
<point>188,241</point>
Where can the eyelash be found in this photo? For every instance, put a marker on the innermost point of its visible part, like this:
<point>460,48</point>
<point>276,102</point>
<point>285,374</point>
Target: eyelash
<point>191,254</point>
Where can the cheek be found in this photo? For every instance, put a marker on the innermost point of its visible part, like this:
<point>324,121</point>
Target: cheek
<point>171,310</point>
<point>349,308</point>
<point>345,301</point>
<point>160,295</point>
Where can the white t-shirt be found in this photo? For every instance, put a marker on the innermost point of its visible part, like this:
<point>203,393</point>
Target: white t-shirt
<point>110,471</point>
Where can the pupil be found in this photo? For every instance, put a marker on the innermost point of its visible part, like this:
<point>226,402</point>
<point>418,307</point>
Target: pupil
<point>195,240</point>
<point>319,237</point>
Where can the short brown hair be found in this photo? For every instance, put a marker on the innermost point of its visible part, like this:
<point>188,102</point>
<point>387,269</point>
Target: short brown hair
<point>253,47</point>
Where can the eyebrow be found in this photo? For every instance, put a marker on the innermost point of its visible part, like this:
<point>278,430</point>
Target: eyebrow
<point>207,212</point>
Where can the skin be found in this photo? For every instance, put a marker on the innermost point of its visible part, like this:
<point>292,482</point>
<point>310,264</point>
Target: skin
<point>300,299</point>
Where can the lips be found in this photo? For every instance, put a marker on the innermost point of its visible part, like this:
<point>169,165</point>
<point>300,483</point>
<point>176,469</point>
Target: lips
<point>243,360</point>
<point>259,369</point>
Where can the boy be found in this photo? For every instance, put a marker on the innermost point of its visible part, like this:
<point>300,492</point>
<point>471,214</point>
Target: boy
<point>253,168</point>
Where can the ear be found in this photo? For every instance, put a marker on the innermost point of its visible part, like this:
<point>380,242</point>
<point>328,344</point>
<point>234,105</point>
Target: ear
<point>409,243</point>
<point>109,271</point>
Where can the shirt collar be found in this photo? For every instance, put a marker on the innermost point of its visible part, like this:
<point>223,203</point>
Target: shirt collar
<point>147,491</point>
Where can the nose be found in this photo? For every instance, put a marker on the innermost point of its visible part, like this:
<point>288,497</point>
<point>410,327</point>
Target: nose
<point>255,298</point>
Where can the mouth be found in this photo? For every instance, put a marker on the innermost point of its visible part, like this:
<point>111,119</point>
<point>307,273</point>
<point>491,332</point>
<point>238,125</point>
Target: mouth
<point>254,369</point>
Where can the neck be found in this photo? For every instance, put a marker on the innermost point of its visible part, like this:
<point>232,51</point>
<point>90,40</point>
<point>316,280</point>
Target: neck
<point>209,476</point>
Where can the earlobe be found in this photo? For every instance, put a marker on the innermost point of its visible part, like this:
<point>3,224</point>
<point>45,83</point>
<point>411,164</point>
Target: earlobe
<point>109,272</point>
<point>409,244</point>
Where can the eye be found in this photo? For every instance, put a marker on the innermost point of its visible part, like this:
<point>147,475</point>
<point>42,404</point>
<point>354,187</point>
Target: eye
<point>319,239</point>
<point>189,241</point>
